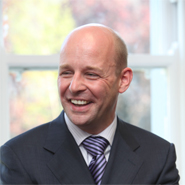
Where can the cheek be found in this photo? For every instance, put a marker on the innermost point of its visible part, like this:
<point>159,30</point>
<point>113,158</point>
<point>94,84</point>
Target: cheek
<point>108,92</point>
<point>99,90</point>
<point>62,86</point>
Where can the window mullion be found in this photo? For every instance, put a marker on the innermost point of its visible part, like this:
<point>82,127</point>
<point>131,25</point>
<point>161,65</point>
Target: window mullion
<point>4,104</point>
<point>134,60</point>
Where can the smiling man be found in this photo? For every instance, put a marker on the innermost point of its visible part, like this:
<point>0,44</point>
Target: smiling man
<point>88,143</point>
<point>89,81</point>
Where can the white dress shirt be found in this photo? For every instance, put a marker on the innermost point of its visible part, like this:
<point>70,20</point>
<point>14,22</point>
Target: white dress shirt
<point>79,135</point>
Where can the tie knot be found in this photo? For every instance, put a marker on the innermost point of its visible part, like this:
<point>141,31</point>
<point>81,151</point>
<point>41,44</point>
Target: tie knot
<point>95,145</point>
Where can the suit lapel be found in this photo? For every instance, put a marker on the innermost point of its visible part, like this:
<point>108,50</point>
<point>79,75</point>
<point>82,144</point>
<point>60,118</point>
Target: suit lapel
<point>67,163</point>
<point>123,163</point>
<point>69,167</point>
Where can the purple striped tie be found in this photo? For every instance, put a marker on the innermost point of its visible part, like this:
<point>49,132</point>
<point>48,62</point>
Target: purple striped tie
<point>96,145</point>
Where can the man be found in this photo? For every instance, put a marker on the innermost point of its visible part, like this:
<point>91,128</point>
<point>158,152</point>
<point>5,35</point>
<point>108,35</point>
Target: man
<point>87,143</point>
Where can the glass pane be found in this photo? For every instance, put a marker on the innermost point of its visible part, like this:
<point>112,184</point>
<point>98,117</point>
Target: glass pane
<point>134,106</point>
<point>34,99</point>
<point>39,27</point>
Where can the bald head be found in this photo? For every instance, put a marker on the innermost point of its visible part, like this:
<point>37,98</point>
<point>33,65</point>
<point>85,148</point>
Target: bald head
<point>101,37</point>
<point>92,73</point>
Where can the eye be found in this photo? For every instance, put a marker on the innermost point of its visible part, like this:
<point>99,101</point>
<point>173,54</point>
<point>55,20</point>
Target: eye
<point>92,75</point>
<point>66,73</point>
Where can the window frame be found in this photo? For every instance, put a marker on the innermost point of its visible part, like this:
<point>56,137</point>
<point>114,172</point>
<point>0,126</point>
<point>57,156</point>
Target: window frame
<point>174,63</point>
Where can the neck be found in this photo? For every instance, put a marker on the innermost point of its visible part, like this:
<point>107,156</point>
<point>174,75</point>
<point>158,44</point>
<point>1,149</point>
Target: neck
<point>96,127</point>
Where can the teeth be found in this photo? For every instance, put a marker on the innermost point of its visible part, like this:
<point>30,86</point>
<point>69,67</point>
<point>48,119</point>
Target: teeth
<point>79,102</point>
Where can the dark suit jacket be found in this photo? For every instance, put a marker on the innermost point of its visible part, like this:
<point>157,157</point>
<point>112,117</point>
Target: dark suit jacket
<point>49,154</point>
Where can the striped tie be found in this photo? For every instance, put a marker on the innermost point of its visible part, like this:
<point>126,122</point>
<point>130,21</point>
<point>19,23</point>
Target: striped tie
<point>96,145</point>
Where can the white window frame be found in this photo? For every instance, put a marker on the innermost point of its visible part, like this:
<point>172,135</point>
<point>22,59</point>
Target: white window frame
<point>174,63</point>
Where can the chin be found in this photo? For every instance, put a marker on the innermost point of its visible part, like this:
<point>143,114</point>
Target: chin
<point>79,120</point>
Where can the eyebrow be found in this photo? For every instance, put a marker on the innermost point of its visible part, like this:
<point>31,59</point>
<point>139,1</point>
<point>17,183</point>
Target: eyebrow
<point>94,68</point>
<point>64,66</point>
<point>67,66</point>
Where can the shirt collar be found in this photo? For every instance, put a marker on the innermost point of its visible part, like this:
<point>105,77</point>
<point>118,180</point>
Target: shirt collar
<point>79,135</point>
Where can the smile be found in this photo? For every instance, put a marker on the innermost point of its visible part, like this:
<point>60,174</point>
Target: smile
<point>79,102</point>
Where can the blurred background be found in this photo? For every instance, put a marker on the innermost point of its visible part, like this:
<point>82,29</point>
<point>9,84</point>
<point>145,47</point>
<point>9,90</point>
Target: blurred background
<point>32,32</point>
<point>34,27</point>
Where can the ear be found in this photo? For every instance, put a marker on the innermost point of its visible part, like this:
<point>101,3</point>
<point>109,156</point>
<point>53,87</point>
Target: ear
<point>125,79</point>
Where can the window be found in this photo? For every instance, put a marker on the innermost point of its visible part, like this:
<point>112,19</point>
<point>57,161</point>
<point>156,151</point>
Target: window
<point>35,27</point>
<point>33,98</point>
<point>40,28</point>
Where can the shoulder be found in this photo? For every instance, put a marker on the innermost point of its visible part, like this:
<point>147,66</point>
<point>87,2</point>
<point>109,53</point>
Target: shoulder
<point>147,141</point>
<point>140,134</point>
<point>157,154</point>
<point>35,136</point>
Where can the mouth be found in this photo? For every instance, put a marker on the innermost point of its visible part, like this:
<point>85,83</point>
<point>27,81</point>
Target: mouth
<point>80,102</point>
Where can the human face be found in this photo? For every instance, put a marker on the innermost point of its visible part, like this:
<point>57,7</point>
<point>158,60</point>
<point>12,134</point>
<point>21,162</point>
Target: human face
<point>87,82</point>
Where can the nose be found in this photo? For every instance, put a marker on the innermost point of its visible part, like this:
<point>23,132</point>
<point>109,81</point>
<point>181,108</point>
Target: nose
<point>77,84</point>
